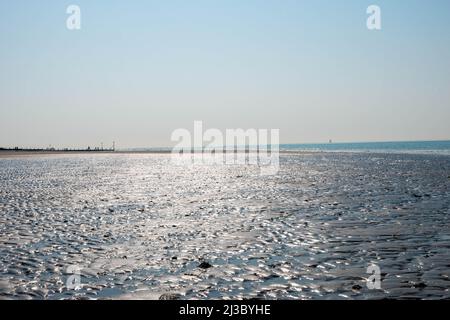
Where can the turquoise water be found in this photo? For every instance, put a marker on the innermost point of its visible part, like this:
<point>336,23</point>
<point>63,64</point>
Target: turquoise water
<point>436,147</point>
<point>410,147</point>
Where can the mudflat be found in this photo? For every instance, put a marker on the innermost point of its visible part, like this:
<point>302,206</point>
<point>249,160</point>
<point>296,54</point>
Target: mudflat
<point>139,227</point>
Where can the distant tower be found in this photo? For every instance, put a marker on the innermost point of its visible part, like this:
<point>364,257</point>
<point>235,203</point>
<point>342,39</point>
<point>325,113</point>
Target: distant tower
<point>114,146</point>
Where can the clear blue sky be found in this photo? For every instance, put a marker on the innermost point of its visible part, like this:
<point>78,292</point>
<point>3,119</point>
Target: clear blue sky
<point>137,70</point>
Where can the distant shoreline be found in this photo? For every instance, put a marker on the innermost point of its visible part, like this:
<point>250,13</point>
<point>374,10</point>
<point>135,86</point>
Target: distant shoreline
<point>29,153</point>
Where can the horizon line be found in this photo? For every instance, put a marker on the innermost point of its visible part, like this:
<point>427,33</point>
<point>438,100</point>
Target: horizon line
<point>280,144</point>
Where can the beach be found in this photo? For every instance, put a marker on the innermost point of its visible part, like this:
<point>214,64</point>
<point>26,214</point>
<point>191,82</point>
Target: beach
<point>136,226</point>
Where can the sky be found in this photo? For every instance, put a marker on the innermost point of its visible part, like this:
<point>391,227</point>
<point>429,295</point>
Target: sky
<point>138,70</point>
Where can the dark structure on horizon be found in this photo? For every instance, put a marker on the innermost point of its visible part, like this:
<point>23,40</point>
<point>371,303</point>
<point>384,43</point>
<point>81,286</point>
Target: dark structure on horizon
<point>52,149</point>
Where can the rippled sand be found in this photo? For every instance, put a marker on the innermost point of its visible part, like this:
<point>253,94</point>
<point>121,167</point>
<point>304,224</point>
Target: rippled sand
<point>139,227</point>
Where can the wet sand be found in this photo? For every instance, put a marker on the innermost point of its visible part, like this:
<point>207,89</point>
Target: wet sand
<point>139,227</point>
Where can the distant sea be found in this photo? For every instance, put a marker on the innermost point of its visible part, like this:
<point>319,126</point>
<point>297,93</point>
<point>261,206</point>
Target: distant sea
<point>411,147</point>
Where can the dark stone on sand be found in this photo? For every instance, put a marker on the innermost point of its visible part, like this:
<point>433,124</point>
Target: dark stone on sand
<point>258,298</point>
<point>174,258</point>
<point>279,264</point>
<point>420,285</point>
<point>271,276</point>
<point>169,296</point>
<point>204,265</point>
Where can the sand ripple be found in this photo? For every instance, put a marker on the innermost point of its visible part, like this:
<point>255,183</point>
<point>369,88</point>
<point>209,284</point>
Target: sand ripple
<point>141,228</point>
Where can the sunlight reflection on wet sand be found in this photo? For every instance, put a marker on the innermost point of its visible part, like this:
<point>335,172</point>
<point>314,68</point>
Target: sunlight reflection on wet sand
<point>140,227</point>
